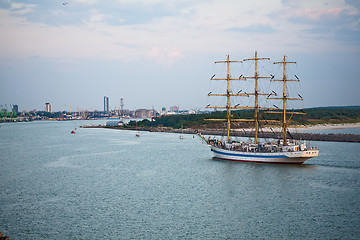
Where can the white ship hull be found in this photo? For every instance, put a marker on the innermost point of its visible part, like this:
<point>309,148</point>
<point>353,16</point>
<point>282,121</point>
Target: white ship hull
<point>298,157</point>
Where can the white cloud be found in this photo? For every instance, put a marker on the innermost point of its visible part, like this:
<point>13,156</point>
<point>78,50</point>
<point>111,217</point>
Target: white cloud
<point>145,2</point>
<point>229,14</point>
<point>96,16</point>
<point>318,4</point>
<point>315,10</point>
<point>17,5</point>
<point>22,8</point>
<point>90,2</point>
<point>161,33</point>
<point>163,55</point>
<point>201,28</point>
<point>318,13</point>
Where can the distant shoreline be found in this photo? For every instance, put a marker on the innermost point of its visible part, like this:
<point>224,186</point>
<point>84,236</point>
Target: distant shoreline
<point>265,129</point>
<point>308,127</point>
<point>299,133</point>
<point>311,127</point>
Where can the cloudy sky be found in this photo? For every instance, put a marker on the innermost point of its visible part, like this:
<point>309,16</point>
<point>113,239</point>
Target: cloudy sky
<point>162,52</point>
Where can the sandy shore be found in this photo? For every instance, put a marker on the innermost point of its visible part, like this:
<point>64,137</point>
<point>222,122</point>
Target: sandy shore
<point>320,127</point>
<point>326,127</point>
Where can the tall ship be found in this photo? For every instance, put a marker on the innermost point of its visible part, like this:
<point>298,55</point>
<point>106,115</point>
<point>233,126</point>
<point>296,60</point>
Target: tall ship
<point>281,150</point>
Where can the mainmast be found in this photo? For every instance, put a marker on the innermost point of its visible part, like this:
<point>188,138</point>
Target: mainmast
<point>285,97</point>
<point>257,93</point>
<point>228,94</point>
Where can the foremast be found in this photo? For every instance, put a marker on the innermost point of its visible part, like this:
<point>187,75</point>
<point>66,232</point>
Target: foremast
<point>285,98</point>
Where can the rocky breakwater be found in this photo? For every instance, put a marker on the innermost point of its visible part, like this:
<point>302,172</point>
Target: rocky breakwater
<point>244,133</point>
<point>330,137</point>
<point>4,237</point>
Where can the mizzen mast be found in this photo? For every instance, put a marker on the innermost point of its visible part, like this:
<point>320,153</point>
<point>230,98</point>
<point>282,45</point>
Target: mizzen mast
<point>285,98</point>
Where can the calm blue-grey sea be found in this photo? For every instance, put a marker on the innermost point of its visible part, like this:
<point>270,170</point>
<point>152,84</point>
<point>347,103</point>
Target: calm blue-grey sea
<point>109,184</point>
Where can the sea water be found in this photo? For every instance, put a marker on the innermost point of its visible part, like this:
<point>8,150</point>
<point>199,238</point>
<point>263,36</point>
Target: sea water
<point>109,184</point>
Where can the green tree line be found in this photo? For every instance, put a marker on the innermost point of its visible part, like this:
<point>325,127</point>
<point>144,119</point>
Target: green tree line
<point>312,116</point>
<point>6,114</point>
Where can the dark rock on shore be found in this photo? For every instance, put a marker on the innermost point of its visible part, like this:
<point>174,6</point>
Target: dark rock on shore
<point>4,237</point>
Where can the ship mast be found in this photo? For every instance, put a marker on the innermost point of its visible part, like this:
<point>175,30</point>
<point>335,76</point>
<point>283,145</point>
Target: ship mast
<point>228,94</point>
<point>285,98</point>
<point>257,93</point>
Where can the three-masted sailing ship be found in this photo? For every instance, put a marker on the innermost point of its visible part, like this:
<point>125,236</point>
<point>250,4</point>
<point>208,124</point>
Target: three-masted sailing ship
<point>277,151</point>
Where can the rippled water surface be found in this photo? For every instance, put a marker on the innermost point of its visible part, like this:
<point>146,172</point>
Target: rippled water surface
<point>108,184</point>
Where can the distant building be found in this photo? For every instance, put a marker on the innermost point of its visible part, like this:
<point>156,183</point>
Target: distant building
<point>144,113</point>
<point>127,112</point>
<point>163,111</point>
<point>114,123</point>
<point>15,108</point>
<point>48,107</point>
<point>174,109</point>
<point>171,113</point>
<point>121,111</point>
<point>106,104</point>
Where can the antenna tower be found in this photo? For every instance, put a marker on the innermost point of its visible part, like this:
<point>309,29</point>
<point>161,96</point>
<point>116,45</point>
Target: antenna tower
<point>121,107</point>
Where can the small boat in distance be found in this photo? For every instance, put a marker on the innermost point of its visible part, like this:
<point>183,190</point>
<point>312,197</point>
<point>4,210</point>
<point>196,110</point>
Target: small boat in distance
<point>288,151</point>
<point>137,132</point>
<point>73,131</point>
<point>182,132</point>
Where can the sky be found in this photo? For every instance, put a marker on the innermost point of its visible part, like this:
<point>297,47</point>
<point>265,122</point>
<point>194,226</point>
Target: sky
<point>161,53</point>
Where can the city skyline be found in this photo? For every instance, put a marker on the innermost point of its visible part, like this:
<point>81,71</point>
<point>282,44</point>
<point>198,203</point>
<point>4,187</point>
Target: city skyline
<point>106,108</point>
<point>155,52</point>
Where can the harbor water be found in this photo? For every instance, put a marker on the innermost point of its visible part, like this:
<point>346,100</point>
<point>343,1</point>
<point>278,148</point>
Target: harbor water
<point>109,184</point>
